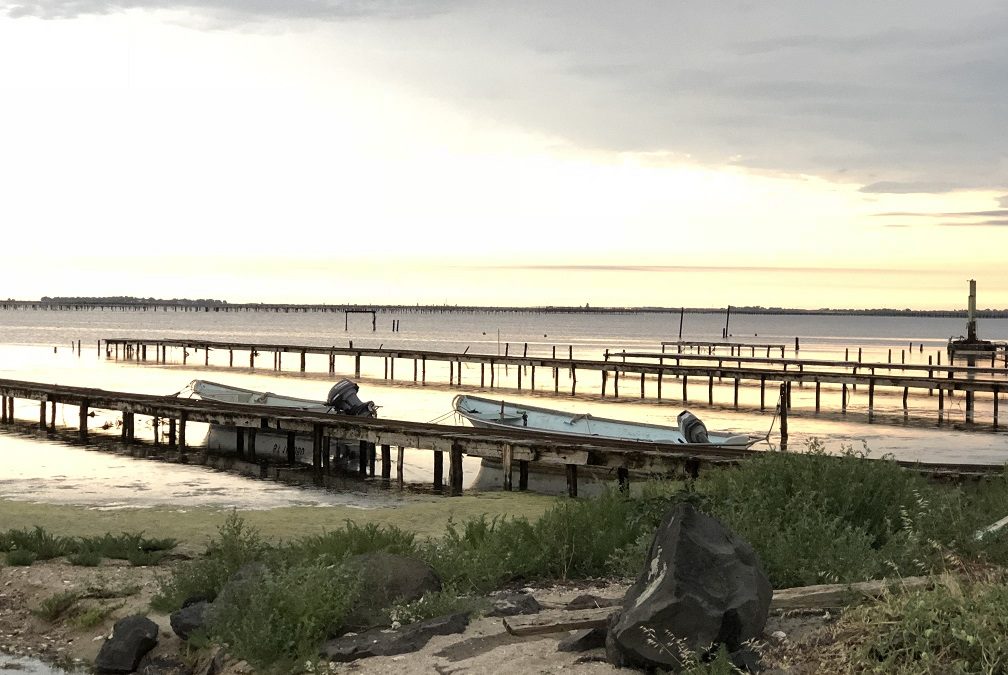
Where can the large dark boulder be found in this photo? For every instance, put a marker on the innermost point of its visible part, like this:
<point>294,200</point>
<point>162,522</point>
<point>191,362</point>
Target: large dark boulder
<point>385,642</point>
<point>385,579</point>
<point>702,586</point>
<point>189,619</point>
<point>132,637</point>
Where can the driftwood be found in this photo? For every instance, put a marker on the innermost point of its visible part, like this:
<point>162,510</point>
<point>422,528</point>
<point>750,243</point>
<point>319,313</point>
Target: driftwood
<point>823,596</point>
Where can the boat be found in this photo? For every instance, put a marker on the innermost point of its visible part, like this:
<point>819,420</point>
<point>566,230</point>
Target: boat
<point>496,414</point>
<point>342,399</point>
<point>551,479</point>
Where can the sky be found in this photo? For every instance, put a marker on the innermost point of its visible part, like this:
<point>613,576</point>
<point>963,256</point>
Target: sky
<point>776,153</point>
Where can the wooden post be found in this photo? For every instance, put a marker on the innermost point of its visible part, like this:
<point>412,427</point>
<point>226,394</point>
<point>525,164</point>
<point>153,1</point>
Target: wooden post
<point>42,414</point>
<point>615,383</point>
<point>710,391</point>
<point>362,458</point>
<point>206,355</point>
<point>762,392</point>
<point>386,462</point>
<point>317,449</point>
<point>783,416</point>
<point>251,358</point>
<point>455,471</point>
<point>415,372</point>
<point>356,368</point>
<point>684,397</point>
<point>523,467</point>
<point>173,440</point>
<point>506,456</point>
<point>326,453</point>
<point>605,376</point>
<point>438,469</point>
<point>642,385</point>
<point>818,384</point>
<point>736,392</point>
<point>843,398</point>
<point>995,407</point>
<point>573,373</point>
<point>303,358</point>
<point>660,373</point>
<point>3,409</point>
<point>519,377</point>
<point>183,417</point>
<point>251,446</point>
<point>423,373</point>
<point>230,358</point>
<point>623,477</point>
<point>83,432</point>
<point>572,486</point>
<point>400,451</point>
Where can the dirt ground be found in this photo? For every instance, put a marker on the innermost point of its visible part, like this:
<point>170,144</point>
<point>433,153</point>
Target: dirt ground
<point>485,647</point>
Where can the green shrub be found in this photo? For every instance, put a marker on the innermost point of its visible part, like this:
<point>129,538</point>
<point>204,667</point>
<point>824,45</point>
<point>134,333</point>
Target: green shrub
<point>95,614</point>
<point>280,617</point>
<point>352,539</point>
<point>20,558</point>
<point>122,546</point>
<point>142,558</point>
<point>235,545</point>
<point>43,544</point>
<point>56,605</point>
<point>952,628</point>
<point>85,559</point>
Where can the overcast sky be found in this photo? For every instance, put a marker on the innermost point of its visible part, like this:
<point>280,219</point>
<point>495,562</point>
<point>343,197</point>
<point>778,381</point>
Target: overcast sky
<point>259,148</point>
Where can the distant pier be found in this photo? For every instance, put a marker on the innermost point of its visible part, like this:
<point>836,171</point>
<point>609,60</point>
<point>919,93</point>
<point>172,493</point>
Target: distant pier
<point>845,375</point>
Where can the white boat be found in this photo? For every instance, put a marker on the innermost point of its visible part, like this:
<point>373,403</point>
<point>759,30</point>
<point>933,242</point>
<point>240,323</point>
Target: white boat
<point>497,414</point>
<point>342,399</point>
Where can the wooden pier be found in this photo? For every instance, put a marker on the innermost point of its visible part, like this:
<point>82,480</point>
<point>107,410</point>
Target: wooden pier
<point>510,447</point>
<point>845,376</point>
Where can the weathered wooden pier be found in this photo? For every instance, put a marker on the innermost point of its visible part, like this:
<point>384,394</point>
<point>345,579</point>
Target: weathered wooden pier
<point>680,368</point>
<point>509,447</point>
<point>517,447</point>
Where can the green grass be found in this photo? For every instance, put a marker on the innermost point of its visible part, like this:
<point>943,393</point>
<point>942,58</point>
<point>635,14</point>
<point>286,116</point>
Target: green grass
<point>20,557</point>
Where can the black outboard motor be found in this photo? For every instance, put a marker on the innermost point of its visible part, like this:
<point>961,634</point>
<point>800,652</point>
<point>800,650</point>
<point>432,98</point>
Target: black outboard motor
<point>344,400</point>
<point>692,428</point>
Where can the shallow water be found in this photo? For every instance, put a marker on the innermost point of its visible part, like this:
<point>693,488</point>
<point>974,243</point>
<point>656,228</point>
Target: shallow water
<point>29,665</point>
<point>36,346</point>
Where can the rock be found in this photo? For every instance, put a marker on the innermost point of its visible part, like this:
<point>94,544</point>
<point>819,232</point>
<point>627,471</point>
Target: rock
<point>132,637</point>
<point>512,604</point>
<point>589,601</point>
<point>383,642</point>
<point>188,619</point>
<point>703,586</point>
<point>386,579</point>
<point>583,640</point>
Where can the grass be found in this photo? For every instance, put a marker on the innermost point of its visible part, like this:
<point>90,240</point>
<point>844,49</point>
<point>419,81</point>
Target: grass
<point>53,607</point>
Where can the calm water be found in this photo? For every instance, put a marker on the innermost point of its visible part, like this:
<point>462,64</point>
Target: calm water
<point>35,345</point>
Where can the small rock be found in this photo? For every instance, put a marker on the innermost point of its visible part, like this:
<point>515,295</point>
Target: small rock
<point>380,642</point>
<point>513,604</point>
<point>588,601</point>
<point>779,635</point>
<point>583,640</point>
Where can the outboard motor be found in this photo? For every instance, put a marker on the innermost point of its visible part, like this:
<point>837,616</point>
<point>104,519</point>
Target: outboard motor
<point>344,400</point>
<point>692,428</point>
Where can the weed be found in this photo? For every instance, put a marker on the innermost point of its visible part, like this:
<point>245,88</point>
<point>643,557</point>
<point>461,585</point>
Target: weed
<point>282,616</point>
<point>94,615</point>
<point>56,605</point>
<point>433,605</point>
<point>20,557</point>
<point>235,545</point>
<point>85,559</point>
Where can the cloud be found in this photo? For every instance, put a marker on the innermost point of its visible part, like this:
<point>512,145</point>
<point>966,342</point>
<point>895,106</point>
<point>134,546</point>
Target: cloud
<point>993,222</point>
<point>238,10</point>
<point>960,214</point>
<point>886,95</point>
<point>895,187</point>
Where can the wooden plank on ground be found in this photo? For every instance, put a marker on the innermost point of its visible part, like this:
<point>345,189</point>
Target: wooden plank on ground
<point>805,597</point>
